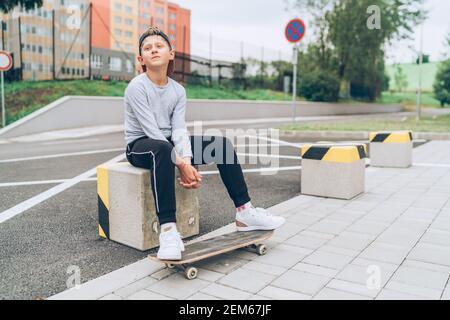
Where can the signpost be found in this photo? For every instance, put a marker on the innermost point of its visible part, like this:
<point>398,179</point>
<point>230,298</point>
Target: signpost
<point>5,64</point>
<point>294,32</point>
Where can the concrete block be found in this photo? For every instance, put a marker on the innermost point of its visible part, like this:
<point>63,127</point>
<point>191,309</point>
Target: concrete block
<point>391,149</point>
<point>334,171</point>
<point>127,212</point>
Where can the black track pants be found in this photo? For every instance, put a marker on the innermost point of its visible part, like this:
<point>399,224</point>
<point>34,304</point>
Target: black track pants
<point>156,155</point>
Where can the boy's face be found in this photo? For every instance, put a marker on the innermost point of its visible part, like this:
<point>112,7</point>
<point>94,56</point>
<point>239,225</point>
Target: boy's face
<point>155,53</point>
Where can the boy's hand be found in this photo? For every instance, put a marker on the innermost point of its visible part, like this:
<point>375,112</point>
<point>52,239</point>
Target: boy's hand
<point>190,177</point>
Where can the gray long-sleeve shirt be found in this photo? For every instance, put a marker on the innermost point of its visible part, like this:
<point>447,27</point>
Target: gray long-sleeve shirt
<point>157,112</point>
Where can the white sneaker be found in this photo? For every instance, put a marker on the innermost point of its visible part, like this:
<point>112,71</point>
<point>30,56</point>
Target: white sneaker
<point>170,245</point>
<point>257,219</point>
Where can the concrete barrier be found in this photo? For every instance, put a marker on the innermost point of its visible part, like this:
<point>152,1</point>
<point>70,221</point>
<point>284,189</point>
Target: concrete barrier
<point>73,112</point>
<point>126,207</point>
<point>391,149</point>
<point>335,171</point>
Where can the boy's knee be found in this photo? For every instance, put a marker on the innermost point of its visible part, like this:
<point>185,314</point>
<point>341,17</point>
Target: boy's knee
<point>165,148</point>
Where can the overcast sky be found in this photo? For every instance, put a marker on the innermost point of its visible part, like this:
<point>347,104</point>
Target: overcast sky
<point>261,23</point>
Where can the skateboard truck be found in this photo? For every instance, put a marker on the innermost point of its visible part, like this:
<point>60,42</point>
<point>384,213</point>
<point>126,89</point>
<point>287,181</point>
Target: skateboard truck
<point>215,246</point>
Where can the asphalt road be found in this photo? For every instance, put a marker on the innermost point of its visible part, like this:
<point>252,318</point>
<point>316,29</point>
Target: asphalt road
<point>41,243</point>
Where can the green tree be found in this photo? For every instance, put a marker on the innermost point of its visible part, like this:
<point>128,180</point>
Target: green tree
<point>320,86</point>
<point>442,83</point>
<point>8,5</point>
<point>400,78</point>
<point>359,50</point>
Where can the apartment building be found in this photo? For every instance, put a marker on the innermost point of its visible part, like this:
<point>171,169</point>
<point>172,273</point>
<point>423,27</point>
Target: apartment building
<point>41,51</point>
<point>55,38</point>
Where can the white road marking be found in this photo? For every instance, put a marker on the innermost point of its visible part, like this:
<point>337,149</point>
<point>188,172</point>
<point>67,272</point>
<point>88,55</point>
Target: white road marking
<point>51,143</point>
<point>38,182</point>
<point>268,169</point>
<point>41,182</point>
<point>280,142</point>
<point>264,155</point>
<point>31,183</point>
<point>441,165</point>
<point>80,153</point>
<point>58,155</point>
<point>27,204</point>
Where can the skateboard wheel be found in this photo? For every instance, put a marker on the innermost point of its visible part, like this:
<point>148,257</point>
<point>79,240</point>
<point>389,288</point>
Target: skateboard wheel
<point>191,273</point>
<point>170,266</point>
<point>261,249</point>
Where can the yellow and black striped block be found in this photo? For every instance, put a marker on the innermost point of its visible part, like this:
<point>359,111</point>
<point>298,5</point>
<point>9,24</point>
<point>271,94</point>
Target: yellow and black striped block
<point>391,137</point>
<point>334,153</point>
<point>103,201</point>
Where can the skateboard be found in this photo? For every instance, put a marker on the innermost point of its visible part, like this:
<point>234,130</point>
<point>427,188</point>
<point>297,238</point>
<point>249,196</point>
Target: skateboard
<point>215,246</point>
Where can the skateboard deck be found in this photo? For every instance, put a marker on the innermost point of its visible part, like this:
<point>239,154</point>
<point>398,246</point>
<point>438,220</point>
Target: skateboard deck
<point>215,246</point>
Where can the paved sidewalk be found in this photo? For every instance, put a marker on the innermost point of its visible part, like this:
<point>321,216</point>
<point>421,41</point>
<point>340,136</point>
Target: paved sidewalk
<point>393,242</point>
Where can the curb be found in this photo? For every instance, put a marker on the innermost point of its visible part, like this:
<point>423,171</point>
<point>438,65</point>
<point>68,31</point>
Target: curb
<point>360,135</point>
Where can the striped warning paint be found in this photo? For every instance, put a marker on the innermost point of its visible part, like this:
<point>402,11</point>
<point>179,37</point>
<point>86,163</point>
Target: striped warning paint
<point>103,201</point>
<point>334,153</point>
<point>391,137</point>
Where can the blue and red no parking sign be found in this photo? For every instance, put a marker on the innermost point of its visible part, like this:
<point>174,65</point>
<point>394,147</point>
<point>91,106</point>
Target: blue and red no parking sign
<point>295,30</point>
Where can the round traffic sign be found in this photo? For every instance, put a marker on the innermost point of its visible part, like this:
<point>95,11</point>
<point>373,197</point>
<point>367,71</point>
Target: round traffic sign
<point>295,30</point>
<point>5,61</point>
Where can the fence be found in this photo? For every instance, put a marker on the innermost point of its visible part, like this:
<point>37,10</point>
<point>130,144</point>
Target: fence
<point>46,46</point>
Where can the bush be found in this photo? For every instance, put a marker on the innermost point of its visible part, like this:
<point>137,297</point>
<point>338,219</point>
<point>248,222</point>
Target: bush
<point>442,83</point>
<point>320,86</point>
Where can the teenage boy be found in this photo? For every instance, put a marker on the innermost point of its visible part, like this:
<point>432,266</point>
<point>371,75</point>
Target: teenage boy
<point>157,139</point>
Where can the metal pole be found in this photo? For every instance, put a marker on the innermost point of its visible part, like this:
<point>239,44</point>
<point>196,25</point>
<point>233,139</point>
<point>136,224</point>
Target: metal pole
<point>262,67</point>
<point>90,42</point>
<point>20,49</point>
<point>242,50</point>
<point>294,83</point>
<point>419,90</point>
<point>3,90</point>
<point>3,103</point>
<point>53,45</point>
<point>184,54</point>
<point>210,59</point>
<point>3,35</point>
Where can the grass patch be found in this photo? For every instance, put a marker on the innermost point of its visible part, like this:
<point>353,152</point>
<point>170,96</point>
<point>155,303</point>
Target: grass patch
<point>408,99</point>
<point>426,124</point>
<point>25,97</point>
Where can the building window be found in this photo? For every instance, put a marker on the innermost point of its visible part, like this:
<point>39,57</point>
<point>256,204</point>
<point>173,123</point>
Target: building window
<point>97,61</point>
<point>173,16</point>
<point>117,19</point>
<point>146,4</point>
<point>128,34</point>
<point>173,26</point>
<point>128,9</point>
<point>129,22</point>
<point>115,64</point>
<point>118,32</point>
<point>129,66</point>
<point>160,10</point>
<point>118,6</point>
